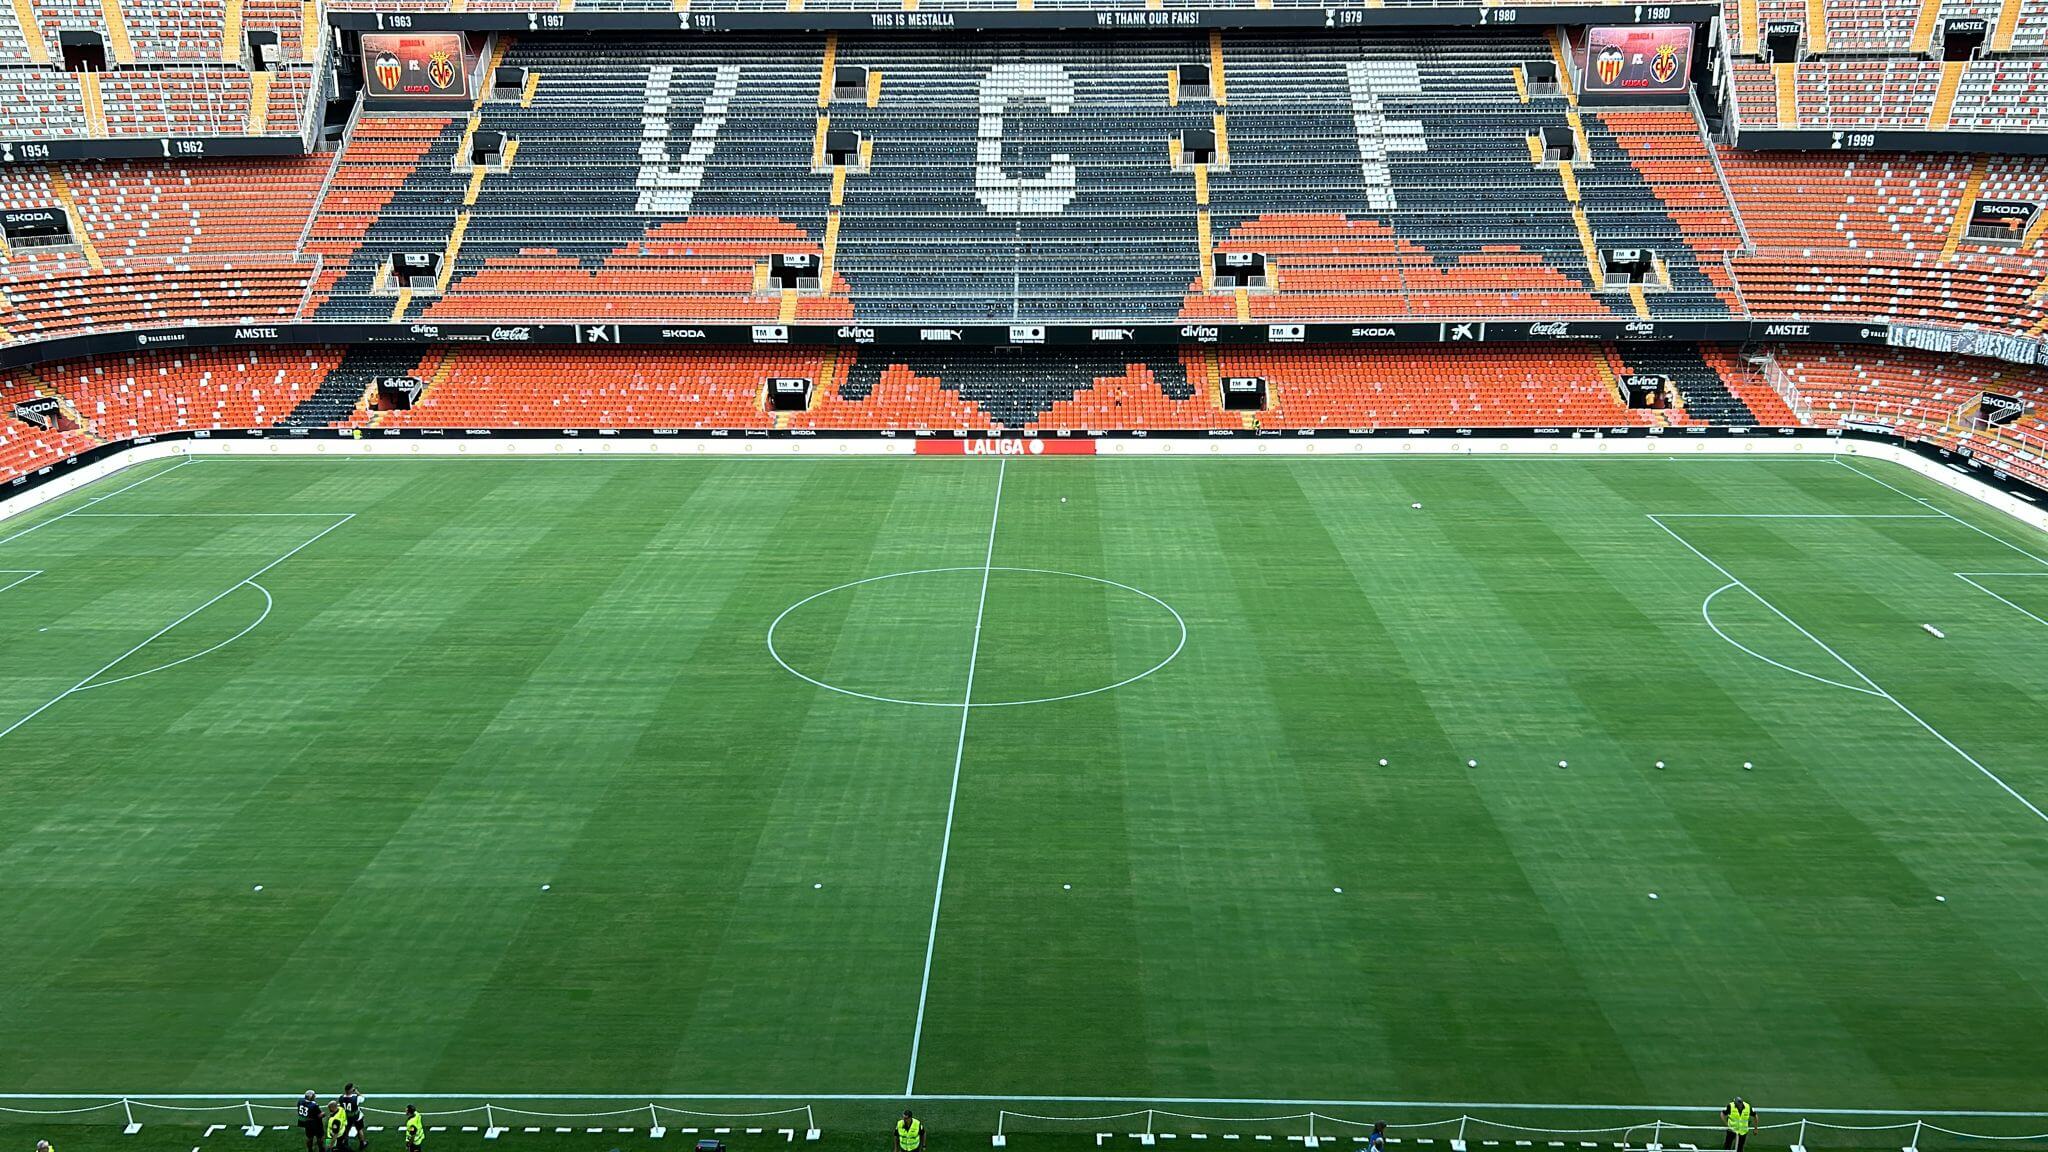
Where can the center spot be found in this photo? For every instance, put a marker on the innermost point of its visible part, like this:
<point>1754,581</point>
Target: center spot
<point>906,638</point>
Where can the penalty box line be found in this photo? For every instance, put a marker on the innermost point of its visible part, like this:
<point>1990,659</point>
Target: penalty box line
<point>248,581</point>
<point>1875,688</point>
<point>95,500</point>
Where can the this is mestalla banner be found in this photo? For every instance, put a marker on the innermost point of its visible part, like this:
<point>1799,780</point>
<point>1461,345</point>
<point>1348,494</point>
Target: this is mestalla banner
<point>415,65</point>
<point>1643,60</point>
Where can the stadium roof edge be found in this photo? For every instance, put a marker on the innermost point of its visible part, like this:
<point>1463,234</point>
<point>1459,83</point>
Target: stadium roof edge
<point>1347,17</point>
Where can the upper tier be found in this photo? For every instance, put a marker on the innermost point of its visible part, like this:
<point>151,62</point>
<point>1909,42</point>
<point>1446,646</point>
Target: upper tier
<point>1030,180</point>
<point>235,70</point>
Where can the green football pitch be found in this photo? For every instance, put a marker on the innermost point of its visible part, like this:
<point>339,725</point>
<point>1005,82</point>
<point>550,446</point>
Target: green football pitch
<point>1589,781</point>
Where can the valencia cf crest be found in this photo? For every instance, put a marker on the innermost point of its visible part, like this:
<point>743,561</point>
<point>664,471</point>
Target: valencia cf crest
<point>1608,64</point>
<point>440,70</point>
<point>1664,65</point>
<point>388,72</point>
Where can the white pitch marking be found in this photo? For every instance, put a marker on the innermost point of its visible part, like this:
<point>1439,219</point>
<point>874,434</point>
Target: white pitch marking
<point>268,604</point>
<point>161,632</point>
<point>1179,621</point>
<point>1877,688</point>
<point>469,1128</point>
<point>25,575</point>
<point>1707,615</point>
<point>565,1129</point>
<point>201,515</point>
<point>96,500</point>
<point>1965,577</point>
<point>1944,514</point>
<point>529,1129</point>
<point>1799,515</point>
<point>593,1129</point>
<point>953,795</point>
<point>211,1128</point>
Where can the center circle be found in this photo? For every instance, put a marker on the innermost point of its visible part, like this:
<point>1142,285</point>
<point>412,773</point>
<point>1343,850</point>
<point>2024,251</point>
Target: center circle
<point>935,604</point>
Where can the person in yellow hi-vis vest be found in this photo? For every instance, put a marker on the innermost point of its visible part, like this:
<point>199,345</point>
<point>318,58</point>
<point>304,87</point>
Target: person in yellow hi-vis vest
<point>909,1133</point>
<point>1740,1120</point>
<point>44,1146</point>
<point>415,1129</point>
<point>337,1124</point>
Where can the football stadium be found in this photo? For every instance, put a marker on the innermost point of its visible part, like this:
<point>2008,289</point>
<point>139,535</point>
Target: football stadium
<point>929,575</point>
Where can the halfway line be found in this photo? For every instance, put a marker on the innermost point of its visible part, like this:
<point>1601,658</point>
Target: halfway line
<point>959,751</point>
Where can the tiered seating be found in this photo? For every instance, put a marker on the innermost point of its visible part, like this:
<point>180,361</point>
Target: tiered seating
<point>54,16</point>
<point>150,393</point>
<point>40,104</point>
<point>24,447</point>
<point>2002,95</point>
<point>1923,397</point>
<point>602,214</point>
<point>1871,25</point>
<point>1864,237</point>
<point>381,159</point>
<point>284,18</point>
<point>995,388</point>
<point>1409,188</point>
<point>121,397</point>
<point>646,388</point>
<point>169,31</point>
<point>1491,387</point>
<point>173,71</point>
<point>1995,94</point>
<point>899,398</point>
<point>1894,92</point>
<point>1355,163</point>
<point>178,243</point>
<point>149,293</point>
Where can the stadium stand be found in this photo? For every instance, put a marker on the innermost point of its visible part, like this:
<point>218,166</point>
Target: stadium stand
<point>1505,386</point>
<point>1886,237</point>
<point>1371,147</point>
<point>158,243</point>
<point>169,70</point>
<point>1929,398</point>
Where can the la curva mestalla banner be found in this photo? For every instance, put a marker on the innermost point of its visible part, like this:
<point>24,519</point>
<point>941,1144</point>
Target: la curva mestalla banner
<point>1649,59</point>
<point>415,65</point>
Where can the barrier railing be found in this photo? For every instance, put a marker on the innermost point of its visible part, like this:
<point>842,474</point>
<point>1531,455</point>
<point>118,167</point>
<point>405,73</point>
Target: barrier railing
<point>1465,1132</point>
<point>491,1118</point>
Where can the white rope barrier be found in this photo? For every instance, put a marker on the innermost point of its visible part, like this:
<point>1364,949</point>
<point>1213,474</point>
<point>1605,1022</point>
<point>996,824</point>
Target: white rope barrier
<point>1657,1129</point>
<point>497,1115</point>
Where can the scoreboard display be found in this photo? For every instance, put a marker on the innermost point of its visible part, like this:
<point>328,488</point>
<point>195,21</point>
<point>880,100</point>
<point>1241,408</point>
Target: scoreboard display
<point>1644,60</point>
<point>415,66</point>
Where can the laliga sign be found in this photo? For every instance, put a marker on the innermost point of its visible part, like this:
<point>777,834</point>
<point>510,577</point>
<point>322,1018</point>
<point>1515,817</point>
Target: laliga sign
<point>1006,446</point>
